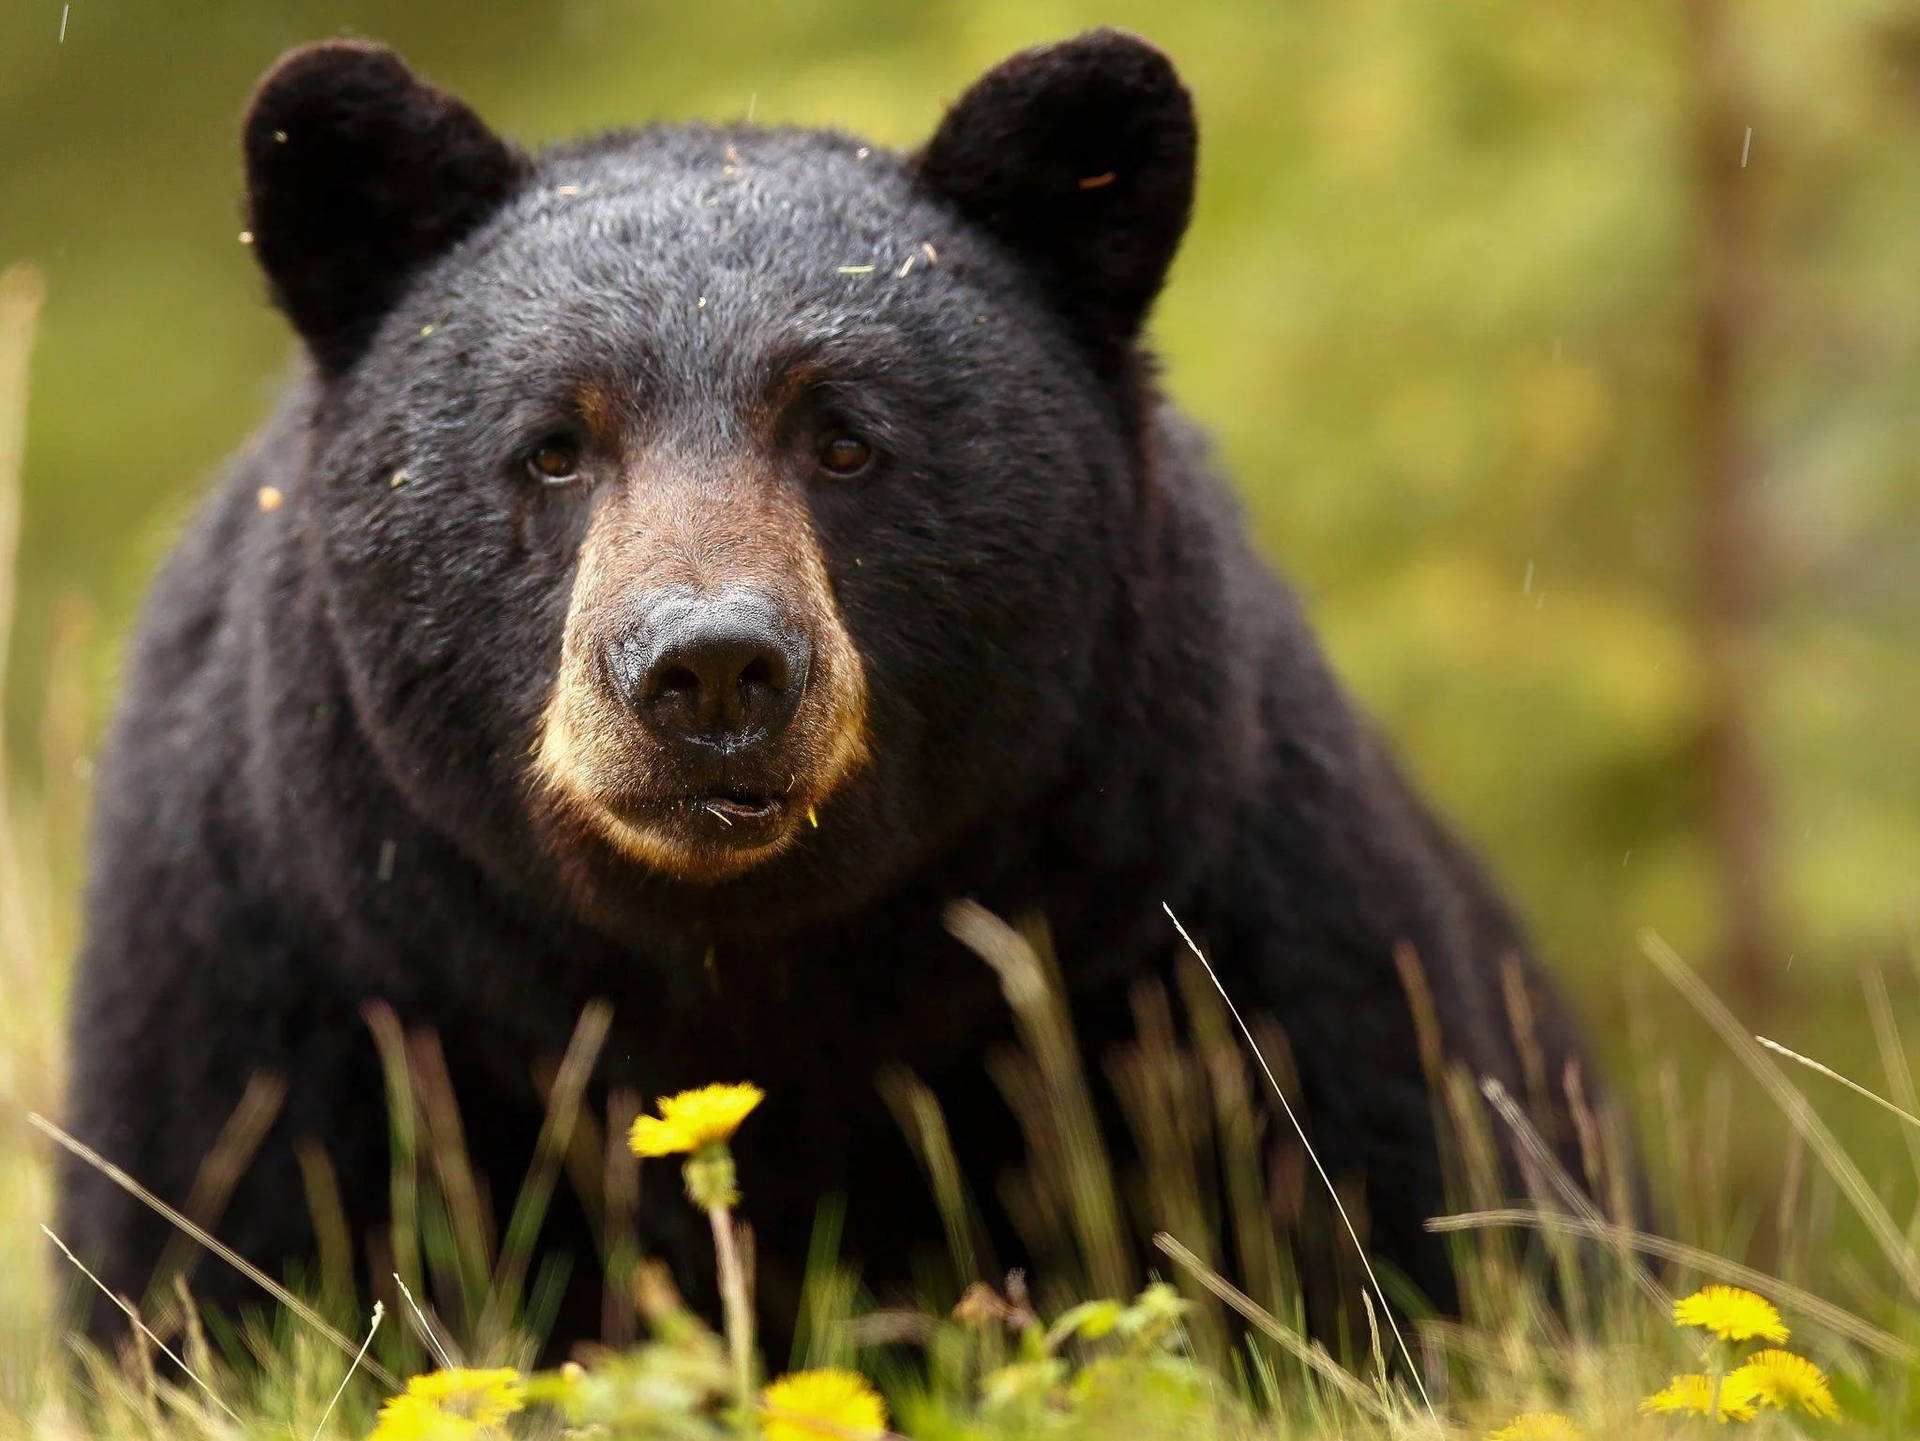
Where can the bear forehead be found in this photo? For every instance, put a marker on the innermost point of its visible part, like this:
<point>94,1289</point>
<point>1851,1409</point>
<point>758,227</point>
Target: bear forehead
<point>700,253</point>
<point>803,214</point>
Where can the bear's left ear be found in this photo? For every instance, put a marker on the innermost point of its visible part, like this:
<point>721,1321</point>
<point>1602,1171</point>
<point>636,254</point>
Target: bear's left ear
<point>1080,157</point>
<point>358,174</point>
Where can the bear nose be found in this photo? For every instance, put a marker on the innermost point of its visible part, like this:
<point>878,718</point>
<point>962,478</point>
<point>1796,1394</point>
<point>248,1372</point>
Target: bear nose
<point>721,670</point>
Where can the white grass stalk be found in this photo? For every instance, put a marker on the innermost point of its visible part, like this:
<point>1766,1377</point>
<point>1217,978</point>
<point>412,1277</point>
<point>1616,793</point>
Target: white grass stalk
<point>141,1326</point>
<point>425,1327</point>
<point>379,1310</point>
<point>1832,1075</point>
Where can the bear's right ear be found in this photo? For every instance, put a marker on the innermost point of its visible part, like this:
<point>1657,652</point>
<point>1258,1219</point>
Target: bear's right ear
<point>1079,157</point>
<point>358,174</point>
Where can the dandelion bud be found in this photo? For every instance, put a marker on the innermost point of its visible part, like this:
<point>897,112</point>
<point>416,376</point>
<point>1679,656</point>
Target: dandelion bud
<point>710,1177</point>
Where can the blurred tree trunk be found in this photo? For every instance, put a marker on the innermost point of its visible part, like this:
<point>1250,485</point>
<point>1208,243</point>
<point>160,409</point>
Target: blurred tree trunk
<point>1731,532</point>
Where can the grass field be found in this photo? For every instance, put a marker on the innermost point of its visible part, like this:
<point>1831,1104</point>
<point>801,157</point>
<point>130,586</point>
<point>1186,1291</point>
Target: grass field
<point>1089,1346</point>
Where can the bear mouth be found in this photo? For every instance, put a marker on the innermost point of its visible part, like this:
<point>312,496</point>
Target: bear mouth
<point>709,814</point>
<point>735,807</point>
<point>711,834</point>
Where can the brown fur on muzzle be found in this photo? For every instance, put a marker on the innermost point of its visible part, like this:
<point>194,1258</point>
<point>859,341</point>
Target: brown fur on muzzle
<point>668,533</point>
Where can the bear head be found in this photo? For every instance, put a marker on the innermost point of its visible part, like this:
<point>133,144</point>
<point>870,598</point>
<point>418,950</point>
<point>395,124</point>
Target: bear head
<point>720,523</point>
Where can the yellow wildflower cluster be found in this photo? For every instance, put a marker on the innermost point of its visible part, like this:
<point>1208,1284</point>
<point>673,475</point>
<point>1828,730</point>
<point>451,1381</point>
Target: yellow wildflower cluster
<point>456,1405</point>
<point>1768,1378</point>
<point>1783,1380</point>
<point>1538,1426</point>
<point>1734,1398</point>
<point>1730,1313</point>
<point>830,1404</point>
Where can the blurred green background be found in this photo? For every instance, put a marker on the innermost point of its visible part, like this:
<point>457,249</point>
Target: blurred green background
<point>1566,355</point>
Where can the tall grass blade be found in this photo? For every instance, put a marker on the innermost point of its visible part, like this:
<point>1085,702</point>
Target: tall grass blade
<point>916,1110</point>
<point>1308,1353</point>
<point>233,1151</point>
<point>1837,1319</point>
<point>1047,1029</point>
<point>556,1132</point>
<point>1564,1185</point>
<point>1339,1206</point>
<point>1800,1114</point>
<point>1893,1056</point>
<point>21,293</point>
<point>206,1238</point>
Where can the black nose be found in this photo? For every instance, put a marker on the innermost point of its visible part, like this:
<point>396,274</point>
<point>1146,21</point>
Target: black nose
<point>723,670</point>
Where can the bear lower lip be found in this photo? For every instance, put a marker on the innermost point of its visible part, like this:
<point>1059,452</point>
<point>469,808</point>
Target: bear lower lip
<point>728,818</point>
<point>738,806</point>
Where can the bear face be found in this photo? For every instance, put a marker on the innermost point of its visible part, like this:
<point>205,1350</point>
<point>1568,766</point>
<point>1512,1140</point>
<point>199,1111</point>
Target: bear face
<point>754,499</point>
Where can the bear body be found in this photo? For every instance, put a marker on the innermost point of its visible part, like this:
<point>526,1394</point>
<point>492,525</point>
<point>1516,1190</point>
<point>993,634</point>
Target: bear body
<point>417,734</point>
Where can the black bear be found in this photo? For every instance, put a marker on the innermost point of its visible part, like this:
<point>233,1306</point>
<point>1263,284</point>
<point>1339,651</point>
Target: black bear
<point>688,562</point>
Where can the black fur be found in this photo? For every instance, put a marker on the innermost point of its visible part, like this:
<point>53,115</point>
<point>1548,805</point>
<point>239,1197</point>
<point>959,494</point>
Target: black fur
<point>1080,157</point>
<point>1087,694</point>
<point>357,175</point>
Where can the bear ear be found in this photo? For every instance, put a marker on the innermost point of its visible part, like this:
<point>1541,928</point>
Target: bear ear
<point>1080,157</point>
<point>358,174</point>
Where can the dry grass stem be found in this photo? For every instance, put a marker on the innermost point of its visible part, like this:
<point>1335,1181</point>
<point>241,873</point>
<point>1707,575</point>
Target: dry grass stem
<point>1832,1075</point>
<point>429,1333</point>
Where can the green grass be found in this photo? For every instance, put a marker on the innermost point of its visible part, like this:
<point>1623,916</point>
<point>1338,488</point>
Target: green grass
<point>1565,1311</point>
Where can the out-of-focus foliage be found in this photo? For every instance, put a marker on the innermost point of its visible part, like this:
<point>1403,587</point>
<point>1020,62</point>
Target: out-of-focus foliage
<point>1437,305</point>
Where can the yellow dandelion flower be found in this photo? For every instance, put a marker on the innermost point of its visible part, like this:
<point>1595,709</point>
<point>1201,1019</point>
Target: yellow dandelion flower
<point>1729,1312</point>
<point>825,1405</point>
<point>1538,1426</point>
<point>1738,1399</point>
<point>1784,1380</point>
<point>408,1418</point>
<point>457,1405</point>
<point>694,1120</point>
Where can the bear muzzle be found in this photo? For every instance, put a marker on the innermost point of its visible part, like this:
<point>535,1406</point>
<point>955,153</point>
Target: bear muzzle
<point>714,682</point>
<point>709,702</point>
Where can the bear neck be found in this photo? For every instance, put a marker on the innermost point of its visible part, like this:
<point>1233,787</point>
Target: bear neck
<point>1156,787</point>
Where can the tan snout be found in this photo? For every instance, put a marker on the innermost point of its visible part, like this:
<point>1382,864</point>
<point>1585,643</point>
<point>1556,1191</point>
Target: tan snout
<point>709,699</point>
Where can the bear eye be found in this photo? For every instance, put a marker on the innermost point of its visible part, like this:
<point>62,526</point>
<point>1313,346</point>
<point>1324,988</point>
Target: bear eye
<point>845,455</point>
<point>556,461</point>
